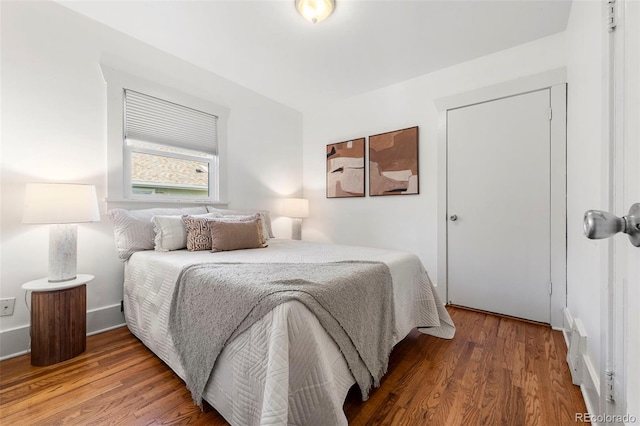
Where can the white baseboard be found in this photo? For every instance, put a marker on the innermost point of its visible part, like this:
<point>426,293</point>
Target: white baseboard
<point>583,373</point>
<point>590,386</point>
<point>567,326</point>
<point>16,341</point>
<point>103,319</point>
<point>577,351</point>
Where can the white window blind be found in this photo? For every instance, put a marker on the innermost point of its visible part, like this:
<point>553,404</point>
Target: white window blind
<point>150,119</point>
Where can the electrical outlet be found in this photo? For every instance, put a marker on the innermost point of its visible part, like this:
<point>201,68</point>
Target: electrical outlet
<point>6,306</point>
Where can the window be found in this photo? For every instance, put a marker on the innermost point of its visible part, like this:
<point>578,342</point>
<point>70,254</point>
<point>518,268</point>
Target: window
<point>170,150</point>
<point>166,141</point>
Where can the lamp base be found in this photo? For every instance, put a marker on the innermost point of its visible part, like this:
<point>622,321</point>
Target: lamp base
<point>296,228</point>
<point>63,249</point>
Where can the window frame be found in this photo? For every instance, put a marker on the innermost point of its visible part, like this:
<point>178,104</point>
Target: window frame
<point>119,187</point>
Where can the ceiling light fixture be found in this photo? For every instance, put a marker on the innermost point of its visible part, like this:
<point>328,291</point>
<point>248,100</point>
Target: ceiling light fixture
<point>315,10</point>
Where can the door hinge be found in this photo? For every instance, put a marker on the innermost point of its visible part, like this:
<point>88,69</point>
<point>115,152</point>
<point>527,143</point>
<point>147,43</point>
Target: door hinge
<point>612,22</point>
<point>610,386</point>
<point>550,113</point>
<point>550,287</point>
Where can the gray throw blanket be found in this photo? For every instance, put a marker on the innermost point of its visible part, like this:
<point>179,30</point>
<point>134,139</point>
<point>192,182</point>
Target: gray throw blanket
<point>213,303</point>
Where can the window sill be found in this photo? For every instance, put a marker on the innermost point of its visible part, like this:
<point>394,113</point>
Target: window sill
<point>164,201</point>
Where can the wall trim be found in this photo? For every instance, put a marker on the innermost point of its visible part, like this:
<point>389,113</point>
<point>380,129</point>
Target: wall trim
<point>16,341</point>
<point>590,386</point>
<point>586,376</point>
<point>103,319</point>
<point>521,85</point>
<point>567,326</point>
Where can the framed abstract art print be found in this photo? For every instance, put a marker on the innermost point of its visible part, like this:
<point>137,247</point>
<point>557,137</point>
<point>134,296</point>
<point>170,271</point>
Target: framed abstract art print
<point>345,169</point>
<point>393,163</point>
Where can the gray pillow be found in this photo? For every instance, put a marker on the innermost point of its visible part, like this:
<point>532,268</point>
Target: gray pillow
<point>133,229</point>
<point>265,213</point>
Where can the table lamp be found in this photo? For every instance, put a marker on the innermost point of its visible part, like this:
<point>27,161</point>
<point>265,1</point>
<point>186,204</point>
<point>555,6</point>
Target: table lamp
<point>296,209</point>
<point>62,205</point>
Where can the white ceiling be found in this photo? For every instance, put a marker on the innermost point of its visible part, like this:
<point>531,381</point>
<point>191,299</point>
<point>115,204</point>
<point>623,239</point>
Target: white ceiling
<point>364,45</point>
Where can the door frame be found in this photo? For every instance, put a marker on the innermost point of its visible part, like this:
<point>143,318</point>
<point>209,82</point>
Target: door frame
<point>620,295</point>
<point>555,80</point>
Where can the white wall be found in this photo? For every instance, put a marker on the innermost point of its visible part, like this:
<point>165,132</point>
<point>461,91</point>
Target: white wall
<point>54,129</point>
<point>403,222</point>
<point>587,157</point>
<point>409,222</point>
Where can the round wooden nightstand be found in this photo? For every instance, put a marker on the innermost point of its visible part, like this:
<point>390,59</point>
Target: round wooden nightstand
<point>58,319</point>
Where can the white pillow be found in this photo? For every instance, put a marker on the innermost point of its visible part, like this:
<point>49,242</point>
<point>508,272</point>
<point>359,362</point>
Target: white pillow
<point>266,216</point>
<point>171,233</point>
<point>133,229</point>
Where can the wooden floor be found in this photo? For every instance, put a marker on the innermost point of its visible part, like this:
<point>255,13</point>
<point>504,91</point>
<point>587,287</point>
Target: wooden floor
<point>496,371</point>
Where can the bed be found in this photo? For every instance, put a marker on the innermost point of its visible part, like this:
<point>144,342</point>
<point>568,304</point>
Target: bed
<point>285,368</point>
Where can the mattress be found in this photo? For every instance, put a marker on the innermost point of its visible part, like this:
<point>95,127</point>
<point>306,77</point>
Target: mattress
<point>285,369</point>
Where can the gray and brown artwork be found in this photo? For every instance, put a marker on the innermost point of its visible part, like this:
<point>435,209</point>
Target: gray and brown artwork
<point>345,169</point>
<point>393,163</point>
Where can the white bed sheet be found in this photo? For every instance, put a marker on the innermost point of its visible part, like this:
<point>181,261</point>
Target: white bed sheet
<point>285,369</point>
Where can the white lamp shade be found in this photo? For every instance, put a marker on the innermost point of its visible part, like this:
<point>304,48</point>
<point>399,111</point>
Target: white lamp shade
<point>315,10</point>
<point>60,203</point>
<point>295,207</point>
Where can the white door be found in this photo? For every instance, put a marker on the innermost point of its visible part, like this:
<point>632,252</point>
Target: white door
<point>498,204</point>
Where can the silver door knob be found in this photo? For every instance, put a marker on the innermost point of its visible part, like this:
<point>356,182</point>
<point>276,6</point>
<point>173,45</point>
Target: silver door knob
<point>599,224</point>
<point>453,217</point>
